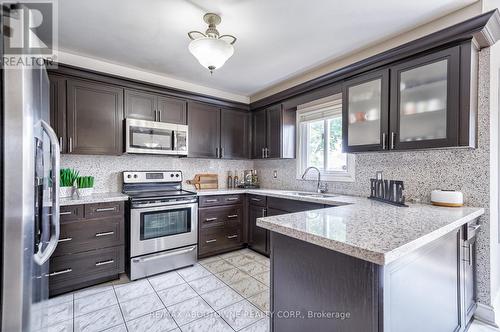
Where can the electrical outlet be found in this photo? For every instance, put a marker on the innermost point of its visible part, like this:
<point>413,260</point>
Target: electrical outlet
<point>275,174</point>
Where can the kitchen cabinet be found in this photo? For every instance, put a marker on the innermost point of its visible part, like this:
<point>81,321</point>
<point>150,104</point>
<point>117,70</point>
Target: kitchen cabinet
<point>95,118</point>
<point>235,134</point>
<point>424,109</point>
<point>425,101</point>
<point>204,130</point>
<point>154,107</point>
<point>366,111</point>
<point>91,246</point>
<point>221,220</point>
<point>273,133</point>
<point>57,100</point>
<point>217,132</point>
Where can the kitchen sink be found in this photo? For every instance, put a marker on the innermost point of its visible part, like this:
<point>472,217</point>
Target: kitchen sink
<point>309,194</point>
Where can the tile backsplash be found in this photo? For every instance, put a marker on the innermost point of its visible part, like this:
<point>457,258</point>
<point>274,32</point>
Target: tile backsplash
<point>107,169</point>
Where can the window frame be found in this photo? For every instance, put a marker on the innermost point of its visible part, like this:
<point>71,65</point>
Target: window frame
<point>328,104</point>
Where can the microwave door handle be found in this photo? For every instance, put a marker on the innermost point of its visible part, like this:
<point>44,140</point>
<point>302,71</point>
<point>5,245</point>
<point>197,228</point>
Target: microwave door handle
<point>41,257</point>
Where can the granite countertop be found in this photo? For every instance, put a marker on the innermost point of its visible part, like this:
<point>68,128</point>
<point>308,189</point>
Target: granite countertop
<point>373,231</point>
<point>94,198</point>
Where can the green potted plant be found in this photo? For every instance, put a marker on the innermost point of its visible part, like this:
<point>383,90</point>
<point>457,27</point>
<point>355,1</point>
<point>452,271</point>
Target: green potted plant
<point>85,185</point>
<point>67,180</point>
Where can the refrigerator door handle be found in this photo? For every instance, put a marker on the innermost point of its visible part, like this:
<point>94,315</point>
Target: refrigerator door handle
<point>41,257</point>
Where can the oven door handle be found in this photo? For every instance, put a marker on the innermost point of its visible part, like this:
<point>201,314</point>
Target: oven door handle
<point>140,209</point>
<point>162,255</point>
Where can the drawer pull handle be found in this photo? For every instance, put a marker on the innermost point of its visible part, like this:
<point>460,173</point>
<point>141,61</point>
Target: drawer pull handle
<point>104,234</point>
<point>211,200</point>
<point>232,199</point>
<point>105,262</point>
<point>211,241</point>
<point>233,216</point>
<point>256,199</point>
<point>232,236</point>
<point>105,209</point>
<point>59,272</point>
<point>65,239</point>
<point>65,213</point>
<point>210,219</point>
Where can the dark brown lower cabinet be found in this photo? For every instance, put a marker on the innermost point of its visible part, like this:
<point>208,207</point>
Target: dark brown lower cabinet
<point>258,237</point>
<point>221,222</point>
<point>91,247</point>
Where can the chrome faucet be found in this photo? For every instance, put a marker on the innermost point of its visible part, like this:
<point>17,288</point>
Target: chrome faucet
<point>321,187</point>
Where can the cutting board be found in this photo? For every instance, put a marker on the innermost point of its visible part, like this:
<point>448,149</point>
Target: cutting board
<point>205,181</point>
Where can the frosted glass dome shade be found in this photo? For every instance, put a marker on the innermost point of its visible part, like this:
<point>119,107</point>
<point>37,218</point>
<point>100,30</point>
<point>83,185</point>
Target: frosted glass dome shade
<point>212,53</point>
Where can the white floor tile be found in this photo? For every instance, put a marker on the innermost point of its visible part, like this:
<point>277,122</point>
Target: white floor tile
<point>248,286</point>
<point>221,298</point>
<point>94,302</point>
<point>239,261</point>
<point>194,272</point>
<point>208,324</point>
<point>119,328</point>
<point>166,280</point>
<point>254,268</point>
<point>232,276</point>
<point>66,326</point>
<point>261,326</point>
<point>176,294</point>
<point>205,261</point>
<point>99,320</point>
<point>218,266</point>
<point>133,289</point>
<point>58,313</point>
<point>241,314</point>
<point>264,277</point>
<point>206,284</point>
<point>261,300</point>
<point>92,290</point>
<point>158,321</point>
<point>190,310</point>
<point>60,299</point>
<point>140,306</point>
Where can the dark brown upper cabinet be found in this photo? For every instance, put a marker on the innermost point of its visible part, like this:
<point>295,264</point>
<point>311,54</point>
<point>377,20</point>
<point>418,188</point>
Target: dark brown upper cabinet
<point>58,109</point>
<point>424,101</point>
<point>235,134</point>
<point>94,118</point>
<point>365,112</point>
<point>154,107</point>
<point>273,133</point>
<point>425,111</point>
<point>217,133</point>
<point>204,130</point>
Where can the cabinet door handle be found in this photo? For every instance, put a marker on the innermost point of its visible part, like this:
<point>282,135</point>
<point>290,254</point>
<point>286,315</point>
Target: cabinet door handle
<point>232,236</point>
<point>159,115</point>
<point>156,115</point>
<point>221,152</point>
<point>70,144</point>
<point>267,152</point>
<point>105,262</point>
<point>256,199</point>
<point>104,234</point>
<point>233,216</point>
<point>105,209</point>
<point>263,155</point>
<point>264,212</point>
<point>210,219</point>
<point>211,241</point>
<point>232,199</point>
<point>65,239</point>
<point>393,138</point>
<point>59,272</point>
<point>61,143</point>
<point>211,200</point>
<point>65,213</point>
<point>383,141</point>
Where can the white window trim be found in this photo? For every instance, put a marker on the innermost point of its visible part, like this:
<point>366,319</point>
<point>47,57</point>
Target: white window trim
<point>313,107</point>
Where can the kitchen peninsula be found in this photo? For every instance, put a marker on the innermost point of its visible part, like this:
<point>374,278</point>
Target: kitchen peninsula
<point>368,266</point>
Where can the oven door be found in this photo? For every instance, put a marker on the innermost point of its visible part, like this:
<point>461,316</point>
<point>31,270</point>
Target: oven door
<point>154,229</point>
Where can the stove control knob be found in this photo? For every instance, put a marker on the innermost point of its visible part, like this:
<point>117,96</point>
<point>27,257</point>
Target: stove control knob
<point>172,175</point>
<point>135,176</point>
<point>129,176</point>
<point>176,175</point>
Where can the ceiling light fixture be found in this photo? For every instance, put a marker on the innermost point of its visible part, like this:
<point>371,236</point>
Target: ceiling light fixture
<point>209,48</point>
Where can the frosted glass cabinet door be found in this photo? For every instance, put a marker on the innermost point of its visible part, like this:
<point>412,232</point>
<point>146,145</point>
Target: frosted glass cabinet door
<point>425,104</point>
<point>365,112</point>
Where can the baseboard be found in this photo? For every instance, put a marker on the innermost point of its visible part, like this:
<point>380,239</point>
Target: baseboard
<point>486,314</point>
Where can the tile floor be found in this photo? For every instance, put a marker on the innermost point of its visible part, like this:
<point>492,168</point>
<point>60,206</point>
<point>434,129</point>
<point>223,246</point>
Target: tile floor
<point>229,292</point>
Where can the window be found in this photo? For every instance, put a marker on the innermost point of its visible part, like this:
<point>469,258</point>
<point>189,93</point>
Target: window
<point>319,140</point>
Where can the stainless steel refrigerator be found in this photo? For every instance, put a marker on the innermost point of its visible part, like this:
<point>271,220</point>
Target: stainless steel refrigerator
<point>30,182</point>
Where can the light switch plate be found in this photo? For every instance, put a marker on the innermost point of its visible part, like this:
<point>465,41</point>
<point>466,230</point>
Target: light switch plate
<point>275,174</point>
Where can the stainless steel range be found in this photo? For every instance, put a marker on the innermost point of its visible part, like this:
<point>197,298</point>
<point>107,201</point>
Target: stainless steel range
<point>163,222</point>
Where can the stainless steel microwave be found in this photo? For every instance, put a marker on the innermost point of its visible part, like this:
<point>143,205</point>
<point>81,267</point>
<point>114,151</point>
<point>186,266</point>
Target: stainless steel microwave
<point>154,137</point>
